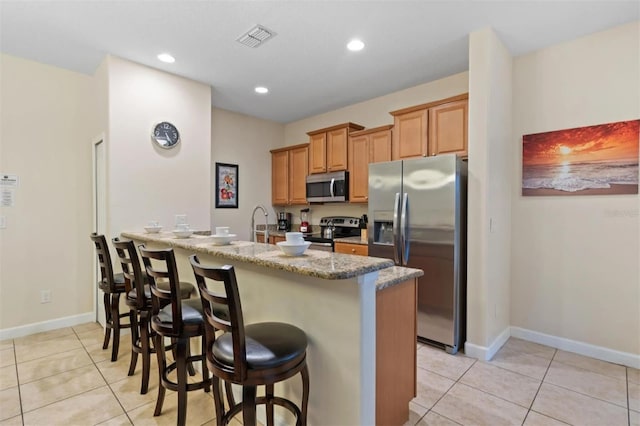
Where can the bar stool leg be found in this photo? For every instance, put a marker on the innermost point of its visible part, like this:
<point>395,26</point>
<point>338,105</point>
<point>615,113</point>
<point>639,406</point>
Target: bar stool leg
<point>107,313</point>
<point>162,362</point>
<point>115,319</point>
<point>218,401</point>
<point>182,353</point>
<point>146,351</point>
<point>305,395</point>
<point>135,338</point>
<point>249,405</point>
<point>269,404</point>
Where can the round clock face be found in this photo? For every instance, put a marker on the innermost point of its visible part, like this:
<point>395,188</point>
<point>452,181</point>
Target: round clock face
<point>166,135</point>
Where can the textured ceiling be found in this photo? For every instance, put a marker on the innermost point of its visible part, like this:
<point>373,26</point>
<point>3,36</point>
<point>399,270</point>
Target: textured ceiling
<point>306,66</point>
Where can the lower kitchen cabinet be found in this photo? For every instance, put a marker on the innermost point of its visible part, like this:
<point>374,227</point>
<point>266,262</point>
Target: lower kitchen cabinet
<point>396,358</point>
<point>349,248</point>
<point>289,169</point>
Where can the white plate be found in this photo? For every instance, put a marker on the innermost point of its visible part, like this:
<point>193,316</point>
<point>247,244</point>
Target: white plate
<point>222,240</point>
<point>182,233</point>
<point>293,249</point>
<point>153,229</point>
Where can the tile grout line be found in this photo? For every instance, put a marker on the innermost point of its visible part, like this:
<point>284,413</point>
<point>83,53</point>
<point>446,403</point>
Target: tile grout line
<point>540,387</point>
<point>15,358</point>
<point>105,379</point>
<point>451,387</point>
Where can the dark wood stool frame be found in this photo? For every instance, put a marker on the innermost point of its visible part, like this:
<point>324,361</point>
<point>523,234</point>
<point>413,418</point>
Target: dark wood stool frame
<point>178,330</point>
<point>112,285</point>
<point>240,372</point>
<point>140,308</point>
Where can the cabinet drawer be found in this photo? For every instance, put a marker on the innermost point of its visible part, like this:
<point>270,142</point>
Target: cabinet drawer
<point>347,248</point>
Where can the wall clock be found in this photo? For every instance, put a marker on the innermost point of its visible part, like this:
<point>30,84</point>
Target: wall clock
<point>165,134</point>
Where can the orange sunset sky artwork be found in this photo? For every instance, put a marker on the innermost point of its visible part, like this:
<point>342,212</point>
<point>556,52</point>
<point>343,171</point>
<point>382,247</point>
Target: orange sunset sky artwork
<point>592,160</point>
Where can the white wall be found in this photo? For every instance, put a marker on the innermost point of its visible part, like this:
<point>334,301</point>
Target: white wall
<point>46,122</point>
<point>489,226</point>
<point>375,112</point>
<point>146,182</point>
<point>575,270</point>
<point>245,141</point>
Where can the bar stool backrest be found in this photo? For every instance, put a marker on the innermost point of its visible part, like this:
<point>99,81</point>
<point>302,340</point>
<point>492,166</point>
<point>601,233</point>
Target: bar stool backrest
<point>131,270</point>
<point>214,322</point>
<point>160,297</point>
<point>104,261</point>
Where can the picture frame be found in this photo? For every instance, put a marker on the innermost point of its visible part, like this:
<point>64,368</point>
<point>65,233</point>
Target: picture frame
<point>226,186</point>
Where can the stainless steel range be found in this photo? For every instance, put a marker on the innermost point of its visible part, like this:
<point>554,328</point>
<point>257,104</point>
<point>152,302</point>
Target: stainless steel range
<point>332,227</point>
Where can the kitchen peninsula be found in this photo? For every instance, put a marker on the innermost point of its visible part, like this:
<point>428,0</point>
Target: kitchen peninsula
<point>359,314</point>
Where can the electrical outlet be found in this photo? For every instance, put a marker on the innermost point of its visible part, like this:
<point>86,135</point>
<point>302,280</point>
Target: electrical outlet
<point>45,296</point>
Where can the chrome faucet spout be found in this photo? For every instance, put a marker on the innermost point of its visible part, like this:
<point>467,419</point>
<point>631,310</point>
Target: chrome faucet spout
<point>266,223</point>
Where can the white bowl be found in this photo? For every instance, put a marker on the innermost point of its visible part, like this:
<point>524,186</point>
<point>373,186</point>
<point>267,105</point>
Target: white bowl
<point>223,239</point>
<point>182,233</point>
<point>153,229</point>
<point>293,249</point>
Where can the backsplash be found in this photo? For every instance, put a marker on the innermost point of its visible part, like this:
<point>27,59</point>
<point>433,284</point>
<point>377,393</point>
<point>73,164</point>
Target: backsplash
<point>321,210</point>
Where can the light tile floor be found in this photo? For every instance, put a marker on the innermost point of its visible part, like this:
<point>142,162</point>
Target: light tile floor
<point>63,377</point>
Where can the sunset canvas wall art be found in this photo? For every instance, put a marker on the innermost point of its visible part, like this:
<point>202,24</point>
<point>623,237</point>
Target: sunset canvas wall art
<point>592,160</point>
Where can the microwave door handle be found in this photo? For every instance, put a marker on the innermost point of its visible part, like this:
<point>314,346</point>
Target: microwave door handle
<point>396,230</point>
<point>404,231</point>
<point>331,186</point>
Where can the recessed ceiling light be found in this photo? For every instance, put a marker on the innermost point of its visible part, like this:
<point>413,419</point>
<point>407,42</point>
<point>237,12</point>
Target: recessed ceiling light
<point>355,45</point>
<point>165,57</point>
<point>262,90</point>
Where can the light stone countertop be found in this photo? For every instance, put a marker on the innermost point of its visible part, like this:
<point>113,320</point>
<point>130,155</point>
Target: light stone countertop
<point>315,263</point>
<point>321,264</point>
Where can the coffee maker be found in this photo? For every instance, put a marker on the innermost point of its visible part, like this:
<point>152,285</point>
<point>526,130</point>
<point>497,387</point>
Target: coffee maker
<point>284,221</point>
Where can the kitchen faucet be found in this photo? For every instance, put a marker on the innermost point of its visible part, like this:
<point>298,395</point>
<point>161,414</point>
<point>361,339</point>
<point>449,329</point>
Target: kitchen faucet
<point>266,223</point>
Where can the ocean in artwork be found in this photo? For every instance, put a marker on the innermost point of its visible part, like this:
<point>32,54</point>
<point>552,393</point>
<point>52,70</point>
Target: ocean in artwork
<point>572,177</point>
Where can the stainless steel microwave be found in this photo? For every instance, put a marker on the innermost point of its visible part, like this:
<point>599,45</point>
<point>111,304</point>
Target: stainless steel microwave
<point>328,187</point>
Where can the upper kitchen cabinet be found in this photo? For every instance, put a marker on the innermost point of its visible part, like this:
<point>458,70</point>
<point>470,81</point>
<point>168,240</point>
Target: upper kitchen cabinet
<point>289,169</point>
<point>430,129</point>
<point>366,146</point>
<point>328,148</point>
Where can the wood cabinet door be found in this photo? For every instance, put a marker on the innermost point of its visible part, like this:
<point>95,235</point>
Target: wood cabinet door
<point>337,150</point>
<point>410,135</point>
<point>280,178</point>
<point>298,170</point>
<point>448,128</point>
<point>318,153</point>
<point>276,239</point>
<point>380,146</point>
<point>359,169</point>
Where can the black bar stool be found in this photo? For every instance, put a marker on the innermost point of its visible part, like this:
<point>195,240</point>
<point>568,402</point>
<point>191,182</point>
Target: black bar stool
<point>179,320</point>
<point>140,307</point>
<point>249,356</point>
<point>112,285</point>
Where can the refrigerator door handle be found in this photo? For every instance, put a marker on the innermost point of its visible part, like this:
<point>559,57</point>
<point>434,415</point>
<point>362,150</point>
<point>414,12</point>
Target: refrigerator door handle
<point>404,237</point>
<point>396,230</point>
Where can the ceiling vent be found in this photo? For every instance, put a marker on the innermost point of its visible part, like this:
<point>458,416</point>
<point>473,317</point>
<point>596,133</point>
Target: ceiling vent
<point>256,36</point>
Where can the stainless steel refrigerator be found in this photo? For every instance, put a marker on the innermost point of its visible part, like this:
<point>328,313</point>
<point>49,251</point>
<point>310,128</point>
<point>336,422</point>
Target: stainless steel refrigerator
<point>417,217</point>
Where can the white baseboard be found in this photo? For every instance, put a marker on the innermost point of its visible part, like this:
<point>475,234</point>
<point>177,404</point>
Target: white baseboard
<point>486,353</point>
<point>586,349</point>
<point>25,330</point>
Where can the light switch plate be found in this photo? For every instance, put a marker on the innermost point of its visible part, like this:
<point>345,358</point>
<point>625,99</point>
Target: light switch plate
<point>3,222</point>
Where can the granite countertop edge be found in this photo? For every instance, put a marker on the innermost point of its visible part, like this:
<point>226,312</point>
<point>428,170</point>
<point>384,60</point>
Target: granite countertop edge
<point>314,263</point>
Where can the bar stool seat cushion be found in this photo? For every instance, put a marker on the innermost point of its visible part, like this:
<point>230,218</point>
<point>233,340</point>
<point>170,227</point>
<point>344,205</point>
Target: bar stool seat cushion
<point>191,312</point>
<point>268,345</point>
<point>186,289</point>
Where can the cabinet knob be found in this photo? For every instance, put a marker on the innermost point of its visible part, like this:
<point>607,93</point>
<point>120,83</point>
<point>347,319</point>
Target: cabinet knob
<point>353,250</point>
